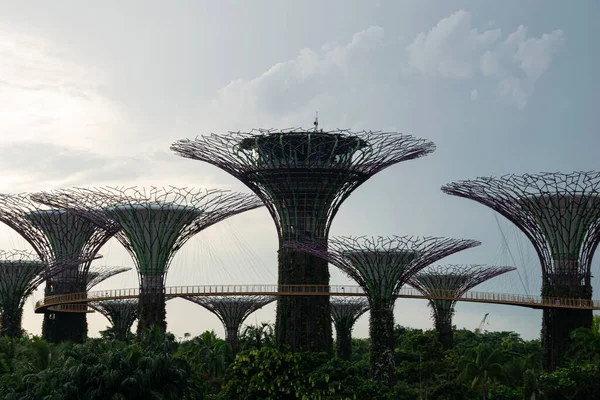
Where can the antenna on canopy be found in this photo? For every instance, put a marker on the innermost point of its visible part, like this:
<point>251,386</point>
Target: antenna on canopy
<point>316,123</point>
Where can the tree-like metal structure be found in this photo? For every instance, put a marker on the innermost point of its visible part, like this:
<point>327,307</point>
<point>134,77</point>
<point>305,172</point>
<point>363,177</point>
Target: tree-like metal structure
<point>21,272</point>
<point>100,273</point>
<point>232,311</point>
<point>381,266</point>
<point>153,224</point>
<point>344,313</point>
<point>560,214</point>
<point>121,314</point>
<point>65,241</point>
<point>303,176</point>
<point>451,281</point>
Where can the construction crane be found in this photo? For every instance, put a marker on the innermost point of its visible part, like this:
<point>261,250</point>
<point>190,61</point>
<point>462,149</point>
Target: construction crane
<point>482,323</point>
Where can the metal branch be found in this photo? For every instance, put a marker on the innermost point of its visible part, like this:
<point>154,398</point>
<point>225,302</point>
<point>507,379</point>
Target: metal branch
<point>454,279</point>
<point>559,213</point>
<point>382,265</point>
<point>99,274</point>
<point>303,176</point>
<point>55,235</point>
<point>346,310</point>
<point>151,219</point>
<point>232,310</point>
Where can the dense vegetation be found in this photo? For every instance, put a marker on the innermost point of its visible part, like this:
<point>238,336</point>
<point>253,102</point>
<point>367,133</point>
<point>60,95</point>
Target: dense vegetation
<point>491,365</point>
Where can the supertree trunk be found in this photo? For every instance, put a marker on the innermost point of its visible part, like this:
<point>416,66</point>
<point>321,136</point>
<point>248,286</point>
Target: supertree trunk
<point>443,326</point>
<point>152,306</point>
<point>60,327</point>
<point>231,336</point>
<point>12,316</point>
<point>303,322</point>
<point>343,341</point>
<point>381,331</point>
<point>558,323</point>
<point>64,327</point>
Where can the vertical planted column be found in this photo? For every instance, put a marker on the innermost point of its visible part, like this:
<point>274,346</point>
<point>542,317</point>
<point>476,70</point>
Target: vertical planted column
<point>443,284</point>
<point>344,313</point>
<point>21,272</point>
<point>153,224</point>
<point>120,313</point>
<point>303,177</point>
<point>232,311</point>
<point>63,241</point>
<point>560,214</point>
<point>381,266</point>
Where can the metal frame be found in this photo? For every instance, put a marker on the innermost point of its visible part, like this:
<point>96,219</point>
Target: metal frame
<point>303,176</point>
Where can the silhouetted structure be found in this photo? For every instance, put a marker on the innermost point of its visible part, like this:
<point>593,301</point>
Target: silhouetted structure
<point>303,176</point>
<point>381,266</point>
<point>100,273</point>
<point>152,224</point>
<point>65,241</point>
<point>21,272</point>
<point>344,313</point>
<point>121,314</point>
<point>232,311</point>
<point>560,214</point>
<point>451,281</point>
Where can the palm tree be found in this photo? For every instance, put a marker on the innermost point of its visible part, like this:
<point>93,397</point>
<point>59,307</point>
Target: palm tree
<point>482,367</point>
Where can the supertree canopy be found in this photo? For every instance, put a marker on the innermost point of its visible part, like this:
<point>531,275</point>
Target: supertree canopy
<point>381,266</point>
<point>100,273</point>
<point>153,224</point>
<point>451,281</point>
<point>232,311</point>
<point>21,272</point>
<point>121,314</point>
<point>344,313</point>
<point>560,214</point>
<point>303,176</point>
<point>62,240</point>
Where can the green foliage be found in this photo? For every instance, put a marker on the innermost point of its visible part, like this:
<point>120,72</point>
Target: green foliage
<point>581,382</point>
<point>270,374</point>
<point>492,365</point>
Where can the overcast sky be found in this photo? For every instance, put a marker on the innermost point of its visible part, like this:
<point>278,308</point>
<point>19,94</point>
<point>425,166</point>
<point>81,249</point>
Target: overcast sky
<point>95,95</point>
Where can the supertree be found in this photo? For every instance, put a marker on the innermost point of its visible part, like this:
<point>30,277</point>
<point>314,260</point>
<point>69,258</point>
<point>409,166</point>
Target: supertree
<point>152,224</point>
<point>62,240</point>
<point>232,311</point>
<point>21,272</point>
<point>121,314</point>
<point>451,281</point>
<point>303,177</point>
<point>344,313</point>
<point>381,266</point>
<point>560,214</point>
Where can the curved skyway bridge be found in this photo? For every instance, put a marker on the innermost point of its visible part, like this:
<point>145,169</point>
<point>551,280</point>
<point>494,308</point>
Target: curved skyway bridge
<point>76,302</point>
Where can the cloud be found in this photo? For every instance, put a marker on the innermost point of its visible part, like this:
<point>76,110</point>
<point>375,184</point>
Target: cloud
<point>454,49</point>
<point>451,48</point>
<point>373,72</point>
<point>288,93</point>
<point>45,98</point>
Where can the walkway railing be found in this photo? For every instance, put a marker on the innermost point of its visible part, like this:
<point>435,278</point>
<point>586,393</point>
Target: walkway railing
<point>316,290</point>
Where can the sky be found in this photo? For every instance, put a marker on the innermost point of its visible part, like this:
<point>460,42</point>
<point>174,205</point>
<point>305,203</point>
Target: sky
<point>95,96</point>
